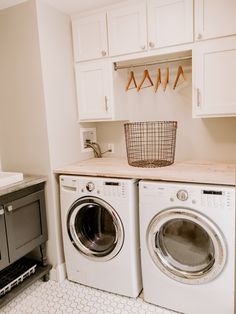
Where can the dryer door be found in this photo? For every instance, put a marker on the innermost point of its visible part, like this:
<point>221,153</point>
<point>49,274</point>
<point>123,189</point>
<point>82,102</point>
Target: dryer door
<point>186,245</point>
<point>95,228</point>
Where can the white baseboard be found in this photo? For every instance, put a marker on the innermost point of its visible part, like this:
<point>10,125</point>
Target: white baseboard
<point>58,273</point>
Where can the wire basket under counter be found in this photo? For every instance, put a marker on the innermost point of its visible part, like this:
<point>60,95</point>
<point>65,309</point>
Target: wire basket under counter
<point>150,144</point>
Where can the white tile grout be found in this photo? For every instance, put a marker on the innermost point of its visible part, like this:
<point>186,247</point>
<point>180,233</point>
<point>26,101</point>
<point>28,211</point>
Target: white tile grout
<point>69,297</point>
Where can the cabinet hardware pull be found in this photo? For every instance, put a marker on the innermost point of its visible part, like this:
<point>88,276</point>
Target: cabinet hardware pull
<point>198,97</point>
<point>1,211</point>
<point>199,36</point>
<point>151,44</point>
<point>143,47</point>
<point>104,53</point>
<point>9,208</point>
<point>106,103</point>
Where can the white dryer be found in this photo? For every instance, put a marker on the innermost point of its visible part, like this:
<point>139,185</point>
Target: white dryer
<point>188,246</point>
<point>101,233</point>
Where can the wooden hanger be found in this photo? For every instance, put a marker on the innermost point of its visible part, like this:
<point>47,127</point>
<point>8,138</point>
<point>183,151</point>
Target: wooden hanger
<point>166,81</point>
<point>179,72</point>
<point>158,81</point>
<point>131,79</point>
<point>145,76</point>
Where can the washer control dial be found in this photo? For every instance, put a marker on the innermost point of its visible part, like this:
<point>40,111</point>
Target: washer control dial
<point>90,186</point>
<point>182,195</point>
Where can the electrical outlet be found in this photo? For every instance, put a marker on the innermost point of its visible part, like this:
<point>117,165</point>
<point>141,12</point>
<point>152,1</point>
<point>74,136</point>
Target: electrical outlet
<point>87,134</point>
<point>111,147</point>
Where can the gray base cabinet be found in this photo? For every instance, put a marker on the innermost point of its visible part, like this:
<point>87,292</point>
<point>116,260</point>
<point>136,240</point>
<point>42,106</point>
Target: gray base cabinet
<point>4,260</point>
<point>23,227</point>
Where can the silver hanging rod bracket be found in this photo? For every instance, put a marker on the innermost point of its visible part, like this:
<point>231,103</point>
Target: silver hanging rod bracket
<point>120,67</point>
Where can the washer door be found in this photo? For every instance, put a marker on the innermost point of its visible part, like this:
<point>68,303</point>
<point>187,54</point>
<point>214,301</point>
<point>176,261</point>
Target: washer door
<point>186,246</point>
<point>95,228</point>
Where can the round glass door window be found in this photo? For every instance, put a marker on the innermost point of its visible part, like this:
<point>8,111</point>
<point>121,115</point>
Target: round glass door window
<point>95,228</point>
<point>186,246</point>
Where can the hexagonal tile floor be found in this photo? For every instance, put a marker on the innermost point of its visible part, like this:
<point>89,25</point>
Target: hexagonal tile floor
<point>68,297</point>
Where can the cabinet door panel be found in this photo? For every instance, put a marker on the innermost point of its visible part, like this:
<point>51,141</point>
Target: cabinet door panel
<point>4,260</point>
<point>215,18</point>
<point>93,83</point>
<point>214,78</point>
<point>170,22</point>
<point>127,29</point>
<point>26,224</point>
<point>90,37</point>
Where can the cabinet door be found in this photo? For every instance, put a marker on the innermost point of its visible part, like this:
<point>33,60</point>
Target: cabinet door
<point>25,224</point>
<point>90,37</point>
<point>215,18</point>
<point>170,22</point>
<point>127,31</point>
<point>4,259</point>
<point>214,68</point>
<point>94,84</point>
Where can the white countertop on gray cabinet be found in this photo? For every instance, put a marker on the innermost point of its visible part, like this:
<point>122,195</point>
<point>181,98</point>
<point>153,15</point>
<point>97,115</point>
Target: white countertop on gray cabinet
<point>28,180</point>
<point>181,171</point>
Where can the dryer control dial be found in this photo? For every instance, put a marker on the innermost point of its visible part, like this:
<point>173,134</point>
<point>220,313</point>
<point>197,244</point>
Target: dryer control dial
<point>182,195</point>
<point>90,186</point>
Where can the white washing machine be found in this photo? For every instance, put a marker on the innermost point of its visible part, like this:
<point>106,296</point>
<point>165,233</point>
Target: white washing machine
<point>101,233</point>
<point>188,246</point>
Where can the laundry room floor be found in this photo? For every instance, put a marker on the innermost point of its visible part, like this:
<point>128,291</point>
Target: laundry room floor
<point>68,297</point>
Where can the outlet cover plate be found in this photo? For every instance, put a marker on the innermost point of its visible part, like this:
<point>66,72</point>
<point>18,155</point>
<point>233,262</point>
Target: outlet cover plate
<point>87,134</point>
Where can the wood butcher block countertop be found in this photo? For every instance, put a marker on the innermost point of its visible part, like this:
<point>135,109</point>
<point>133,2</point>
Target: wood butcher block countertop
<point>180,171</point>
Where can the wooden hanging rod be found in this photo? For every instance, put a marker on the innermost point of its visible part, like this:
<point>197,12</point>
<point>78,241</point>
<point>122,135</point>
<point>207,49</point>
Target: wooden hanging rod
<point>117,67</point>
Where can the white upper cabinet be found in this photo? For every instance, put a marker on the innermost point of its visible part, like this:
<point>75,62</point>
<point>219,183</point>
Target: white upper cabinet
<point>214,68</point>
<point>132,27</point>
<point>94,90</point>
<point>170,22</point>
<point>127,31</point>
<point>215,18</point>
<point>90,37</point>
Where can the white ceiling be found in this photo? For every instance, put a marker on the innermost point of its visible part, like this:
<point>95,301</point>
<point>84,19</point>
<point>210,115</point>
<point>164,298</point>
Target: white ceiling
<point>67,6</point>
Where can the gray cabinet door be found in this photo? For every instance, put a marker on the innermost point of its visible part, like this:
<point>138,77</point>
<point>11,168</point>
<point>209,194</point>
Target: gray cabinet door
<point>4,260</point>
<point>25,224</point>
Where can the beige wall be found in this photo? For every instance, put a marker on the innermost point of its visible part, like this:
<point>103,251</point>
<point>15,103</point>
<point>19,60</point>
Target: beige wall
<point>23,135</point>
<point>60,106</point>
<point>59,85</point>
<point>209,139</point>
<point>38,128</point>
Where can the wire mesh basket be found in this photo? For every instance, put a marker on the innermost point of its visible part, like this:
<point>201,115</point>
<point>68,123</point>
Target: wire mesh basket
<point>150,144</point>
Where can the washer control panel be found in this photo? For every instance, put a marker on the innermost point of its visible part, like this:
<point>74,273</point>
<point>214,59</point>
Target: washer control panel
<point>106,188</point>
<point>90,186</point>
<point>114,189</point>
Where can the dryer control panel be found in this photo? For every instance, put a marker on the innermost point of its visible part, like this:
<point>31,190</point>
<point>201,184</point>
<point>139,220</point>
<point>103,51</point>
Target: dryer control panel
<point>219,198</point>
<point>188,195</point>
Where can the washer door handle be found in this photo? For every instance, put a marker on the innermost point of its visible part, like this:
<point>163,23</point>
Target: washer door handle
<point>156,239</point>
<point>155,246</point>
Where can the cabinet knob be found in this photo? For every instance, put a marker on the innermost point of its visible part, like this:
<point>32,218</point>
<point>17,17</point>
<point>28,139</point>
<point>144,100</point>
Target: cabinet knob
<point>151,44</point>
<point>199,36</point>
<point>143,47</point>
<point>1,211</point>
<point>104,53</point>
<point>9,208</point>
